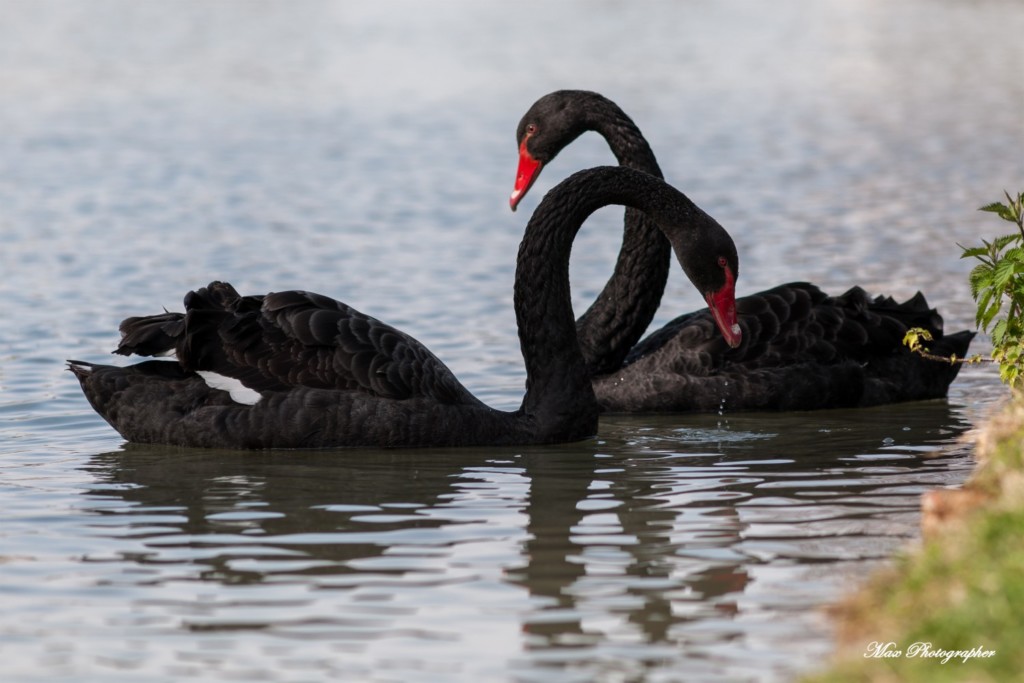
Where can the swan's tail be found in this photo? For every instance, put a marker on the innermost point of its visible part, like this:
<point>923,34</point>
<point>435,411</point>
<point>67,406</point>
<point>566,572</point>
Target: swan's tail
<point>151,335</point>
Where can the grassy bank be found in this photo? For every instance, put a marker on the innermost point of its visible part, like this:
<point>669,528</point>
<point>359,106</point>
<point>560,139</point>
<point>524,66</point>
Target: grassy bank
<point>952,610</point>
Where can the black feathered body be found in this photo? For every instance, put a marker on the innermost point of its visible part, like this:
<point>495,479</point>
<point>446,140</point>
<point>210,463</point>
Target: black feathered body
<point>328,376</point>
<point>160,402</point>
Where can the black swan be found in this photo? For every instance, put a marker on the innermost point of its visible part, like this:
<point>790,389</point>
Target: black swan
<point>801,350</point>
<point>299,370</point>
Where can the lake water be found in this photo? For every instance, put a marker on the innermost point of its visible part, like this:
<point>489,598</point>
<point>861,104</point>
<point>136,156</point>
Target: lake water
<point>367,152</point>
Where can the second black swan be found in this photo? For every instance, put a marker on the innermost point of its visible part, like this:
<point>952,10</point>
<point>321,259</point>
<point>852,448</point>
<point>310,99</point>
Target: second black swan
<point>801,350</point>
<point>295,369</point>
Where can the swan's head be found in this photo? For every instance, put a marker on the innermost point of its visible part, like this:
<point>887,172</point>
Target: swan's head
<point>710,261</point>
<point>553,122</point>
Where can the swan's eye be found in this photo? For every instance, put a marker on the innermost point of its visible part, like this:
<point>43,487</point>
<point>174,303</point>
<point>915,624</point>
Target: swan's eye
<point>531,129</point>
<point>723,262</point>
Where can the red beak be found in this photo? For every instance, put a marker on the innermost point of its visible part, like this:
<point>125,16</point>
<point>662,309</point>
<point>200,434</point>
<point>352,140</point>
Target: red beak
<point>723,309</point>
<point>529,169</point>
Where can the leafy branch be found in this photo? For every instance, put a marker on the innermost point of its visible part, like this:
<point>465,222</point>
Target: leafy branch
<point>917,336</point>
<point>997,281</point>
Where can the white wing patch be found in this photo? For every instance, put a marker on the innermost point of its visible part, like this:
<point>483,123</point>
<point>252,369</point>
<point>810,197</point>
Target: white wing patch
<point>238,391</point>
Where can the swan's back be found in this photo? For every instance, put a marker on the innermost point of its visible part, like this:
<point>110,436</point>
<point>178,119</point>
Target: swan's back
<point>801,350</point>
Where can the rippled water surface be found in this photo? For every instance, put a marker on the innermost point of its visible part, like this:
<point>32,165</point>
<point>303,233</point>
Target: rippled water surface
<point>367,153</point>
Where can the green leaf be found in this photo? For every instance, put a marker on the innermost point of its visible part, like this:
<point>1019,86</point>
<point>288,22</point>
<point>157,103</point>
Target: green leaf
<point>1002,273</point>
<point>988,311</point>
<point>973,252</point>
<point>1016,254</point>
<point>1004,212</point>
<point>1003,241</point>
<point>915,337</point>
<point>986,318</point>
<point>1014,207</point>
<point>983,303</point>
<point>980,278</point>
<point>998,332</point>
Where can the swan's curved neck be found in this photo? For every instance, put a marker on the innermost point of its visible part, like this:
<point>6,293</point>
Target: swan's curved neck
<point>558,380</point>
<point>627,304</point>
<point>624,138</point>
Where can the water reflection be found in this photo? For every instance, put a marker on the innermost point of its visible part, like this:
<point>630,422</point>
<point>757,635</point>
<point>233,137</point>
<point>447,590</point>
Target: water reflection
<point>664,541</point>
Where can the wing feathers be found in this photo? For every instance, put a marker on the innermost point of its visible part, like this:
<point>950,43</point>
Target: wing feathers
<point>293,338</point>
